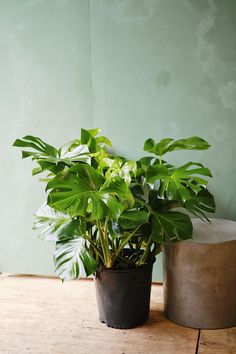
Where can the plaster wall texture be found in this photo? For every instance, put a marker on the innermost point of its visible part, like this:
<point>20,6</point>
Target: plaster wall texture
<point>135,68</point>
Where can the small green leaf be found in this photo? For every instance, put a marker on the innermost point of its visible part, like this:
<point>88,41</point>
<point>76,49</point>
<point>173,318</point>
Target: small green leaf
<point>36,170</point>
<point>94,132</point>
<point>103,140</point>
<point>88,139</point>
<point>148,144</point>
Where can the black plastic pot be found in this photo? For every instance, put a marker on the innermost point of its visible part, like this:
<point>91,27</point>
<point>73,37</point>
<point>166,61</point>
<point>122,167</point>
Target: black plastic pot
<point>123,296</point>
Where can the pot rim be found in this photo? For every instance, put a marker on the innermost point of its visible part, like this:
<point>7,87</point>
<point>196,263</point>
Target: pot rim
<point>128,270</point>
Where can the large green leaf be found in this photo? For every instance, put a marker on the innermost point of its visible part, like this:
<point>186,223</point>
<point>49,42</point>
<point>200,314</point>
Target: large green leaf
<point>130,219</point>
<point>73,194</point>
<point>176,225</point>
<point>72,259</point>
<point>57,226</point>
<point>177,183</point>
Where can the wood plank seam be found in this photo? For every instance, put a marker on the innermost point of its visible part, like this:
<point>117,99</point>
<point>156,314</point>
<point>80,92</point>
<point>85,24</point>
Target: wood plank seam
<point>198,339</point>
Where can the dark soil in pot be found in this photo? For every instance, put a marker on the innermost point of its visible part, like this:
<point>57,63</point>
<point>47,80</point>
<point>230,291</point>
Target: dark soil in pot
<point>123,296</point>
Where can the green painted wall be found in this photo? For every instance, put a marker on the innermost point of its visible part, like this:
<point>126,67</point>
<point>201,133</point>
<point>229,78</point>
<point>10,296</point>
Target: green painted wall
<point>166,68</point>
<point>135,68</point>
<point>45,90</point>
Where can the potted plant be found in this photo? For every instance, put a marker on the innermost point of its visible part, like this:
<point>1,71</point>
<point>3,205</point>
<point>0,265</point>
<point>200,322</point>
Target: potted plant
<point>109,216</point>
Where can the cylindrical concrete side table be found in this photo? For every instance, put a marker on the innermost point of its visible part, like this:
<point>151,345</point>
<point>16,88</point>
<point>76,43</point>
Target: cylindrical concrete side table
<point>200,277</point>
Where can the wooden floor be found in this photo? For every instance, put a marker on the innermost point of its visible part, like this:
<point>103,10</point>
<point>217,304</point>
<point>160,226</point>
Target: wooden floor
<point>44,316</point>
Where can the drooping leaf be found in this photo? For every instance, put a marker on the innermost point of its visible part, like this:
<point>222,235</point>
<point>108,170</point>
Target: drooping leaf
<point>55,225</point>
<point>36,144</point>
<point>200,203</point>
<point>51,159</point>
<point>72,260</point>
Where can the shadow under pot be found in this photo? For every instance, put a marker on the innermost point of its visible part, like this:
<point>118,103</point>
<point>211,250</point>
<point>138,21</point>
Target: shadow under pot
<point>123,296</point>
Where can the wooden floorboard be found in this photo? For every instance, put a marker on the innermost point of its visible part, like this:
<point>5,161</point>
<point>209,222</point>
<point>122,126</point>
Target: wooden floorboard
<point>221,341</point>
<point>44,316</point>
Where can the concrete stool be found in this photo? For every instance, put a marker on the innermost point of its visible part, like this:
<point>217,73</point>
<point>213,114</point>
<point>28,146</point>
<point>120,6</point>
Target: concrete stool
<point>200,277</point>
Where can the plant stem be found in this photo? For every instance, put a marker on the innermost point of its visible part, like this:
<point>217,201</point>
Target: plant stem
<point>92,243</point>
<point>109,262</point>
<point>124,243</point>
<point>104,244</point>
<point>146,252</point>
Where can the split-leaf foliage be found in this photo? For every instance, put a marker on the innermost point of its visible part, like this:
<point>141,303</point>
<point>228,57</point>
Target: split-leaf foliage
<point>100,204</point>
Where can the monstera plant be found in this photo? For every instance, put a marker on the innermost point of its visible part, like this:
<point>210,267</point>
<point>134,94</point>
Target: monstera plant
<point>105,212</point>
